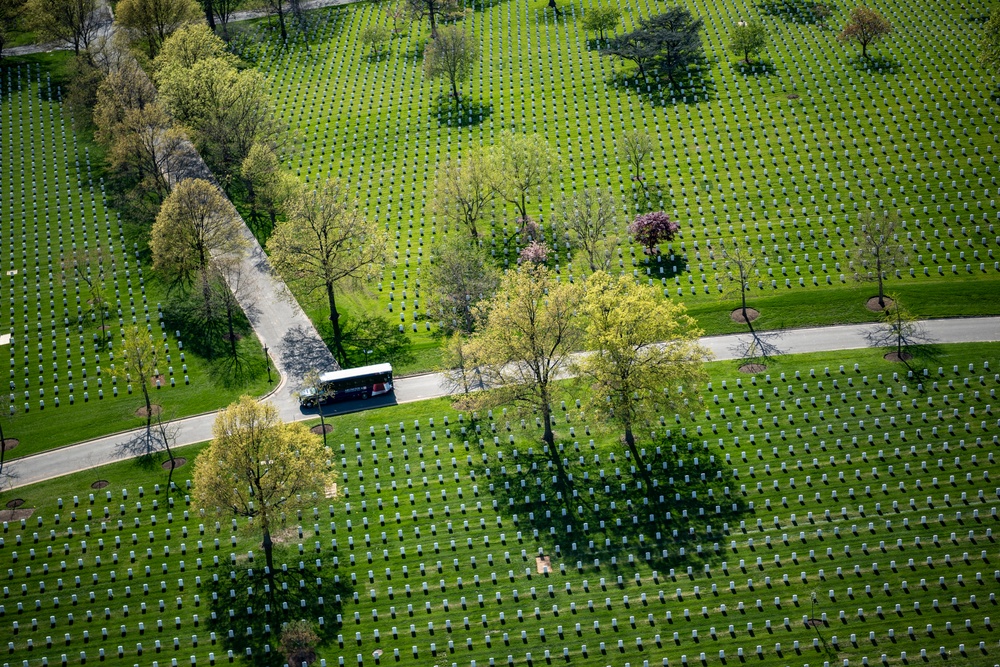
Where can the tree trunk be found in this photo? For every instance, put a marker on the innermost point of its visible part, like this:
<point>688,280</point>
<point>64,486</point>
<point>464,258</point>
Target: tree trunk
<point>547,434</point>
<point>881,290</point>
<point>268,546</point>
<point>149,413</point>
<point>639,465</point>
<point>433,23</point>
<point>232,328</point>
<point>743,296</point>
<point>281,21</point>
<point>209,13</point>
<point>338,342</point>
<point>454,93</point>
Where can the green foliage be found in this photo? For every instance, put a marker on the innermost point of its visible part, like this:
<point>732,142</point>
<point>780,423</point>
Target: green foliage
<point>375,36</point>
<point>669,41</point>
<point>451,55</point>
<point>989,42</point>
<point>747,39</point>
<point>153,21</point>
<point>602,18</point>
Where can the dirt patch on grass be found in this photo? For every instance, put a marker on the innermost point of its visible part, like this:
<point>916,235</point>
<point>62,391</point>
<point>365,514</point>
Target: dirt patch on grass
<point>15,503</point>
<point>318,428</point>
<point>155,410</point>
<point>752,368</point>
<point>176,463</point>
<point>10,443</point>
<point>897,356</point>
<point>543,564</point>
<point>100,484</point>
<point>814,623</point>
<point>16,515</point>
<point>737,315</point>
<point>285,535</point>
<point>873,305</point>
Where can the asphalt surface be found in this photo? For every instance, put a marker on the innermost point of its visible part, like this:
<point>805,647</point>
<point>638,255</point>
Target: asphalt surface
<point>192,430</point>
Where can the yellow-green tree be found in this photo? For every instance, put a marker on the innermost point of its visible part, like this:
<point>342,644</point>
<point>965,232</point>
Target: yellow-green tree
<point>153,21</point>
<point>523,165</point>
<point>188,45</point>
<point>260,468</point>
<point>136,365</point>
<point>529,329</point>
<point>326,243</point>
<point>195,223</point>
<point>641,347</point>
<point>464,189</point>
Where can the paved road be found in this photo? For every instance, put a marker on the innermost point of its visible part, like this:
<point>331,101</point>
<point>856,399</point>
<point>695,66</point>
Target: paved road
<point>421,387</point>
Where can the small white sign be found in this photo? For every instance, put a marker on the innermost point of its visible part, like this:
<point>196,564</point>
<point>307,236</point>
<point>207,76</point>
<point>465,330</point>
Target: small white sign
<point>4,339</point>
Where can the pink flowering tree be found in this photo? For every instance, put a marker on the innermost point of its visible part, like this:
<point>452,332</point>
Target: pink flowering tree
<point>534,253</point>
<point>651,229</point>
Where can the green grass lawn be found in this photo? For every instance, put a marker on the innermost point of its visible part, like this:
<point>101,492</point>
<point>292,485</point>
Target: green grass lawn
<point>59,232</point>
<point>422,487</point>
<point>781,157</point>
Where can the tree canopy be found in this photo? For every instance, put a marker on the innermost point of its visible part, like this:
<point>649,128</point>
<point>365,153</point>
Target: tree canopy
<point>671,41</point>
<point>602,18</point>
<point>153,21</point>
<point>747,39</point>
<point>865,27</point>
<point>451,55</point>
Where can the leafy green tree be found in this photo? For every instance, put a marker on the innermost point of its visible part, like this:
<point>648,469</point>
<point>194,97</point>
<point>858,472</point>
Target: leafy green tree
<point>196,224</point>
<point>375,36</point>
<point>260,468</point>
<point>523,344</point>
<point>865,27</point>
<point>152,21</point>
<point>747,39</point>
<point>641,348</point>
<point>602,18</point>
<point>523,165</point>
<point>137,366</point>
<point>434,10</point>
<point>268,188</point>
<point>326,243</point>
<point>989,42</point>
<point>187,46</point>
<point>670,40</point>
<point>372,338</point>
<point>451,55</point>
<point>74,22</point>
<point>11,12</point>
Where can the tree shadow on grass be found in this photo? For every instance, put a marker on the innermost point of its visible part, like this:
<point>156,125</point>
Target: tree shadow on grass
<point>693,85</point>
<point>758,68</point>
<point>807,12</point>
<point>875,63</point>
<point>465,114</point>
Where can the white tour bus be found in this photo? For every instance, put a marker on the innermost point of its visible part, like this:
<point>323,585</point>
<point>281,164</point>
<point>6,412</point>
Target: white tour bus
<point>350,384</point>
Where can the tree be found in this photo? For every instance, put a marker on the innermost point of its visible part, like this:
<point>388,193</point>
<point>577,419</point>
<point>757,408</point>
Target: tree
<point>459,368</point>
<point>601,18</point>
<point>326,242</point>
<point>652,229</point>
<point>465,188</point>
<point>137,364</point>
<point>866,27</point>
<point>740,263</point>
<point>461,276</point>
<point>898,330</point>
<point>375,36</point>
<point>298,643</point>
<point>11,12</point>
<point>527,332</point>
<point>75,22</point>
<point>268,187</point>
<point>372,338</point>
<point>399,13</point>
<point>187,46</point>
<point>747,39</point>
<point>878,250</point>
<point>154,20</point>
<point>195,224</point>
<point>536,252</point>
<point>671,40</point>
<point>88,265</point>
<point>452,54</point>
<point>523,164</point>
<point>641,348</point>
<point>144,144</point>
<point>7,414</point>
<point>989,57</point>
<point>433,10</point>
<point>261,469</point>
<point>227,110</point>
<point>224,10</point>
<point>634,147</point>
<point>592,219</point>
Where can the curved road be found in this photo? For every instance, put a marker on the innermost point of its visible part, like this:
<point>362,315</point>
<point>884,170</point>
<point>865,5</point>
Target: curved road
<point>191,430</point>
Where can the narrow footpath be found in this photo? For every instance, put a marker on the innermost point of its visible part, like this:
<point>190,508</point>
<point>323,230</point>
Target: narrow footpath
<point>192,430</point>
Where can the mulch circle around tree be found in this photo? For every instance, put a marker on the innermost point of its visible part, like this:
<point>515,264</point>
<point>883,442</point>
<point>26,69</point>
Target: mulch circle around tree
<point>896,356</point>
<point>158,378</point>
<point>814,622</point>
<point>178,462</point>
<point>318,428</point>
<point>100,484</point>
<point>14,504</point>
<point>737,315</point>
<point>873,305</point>
<point>141,411</point>
<point>10,443</point>
<point>752,368</point>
